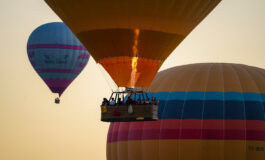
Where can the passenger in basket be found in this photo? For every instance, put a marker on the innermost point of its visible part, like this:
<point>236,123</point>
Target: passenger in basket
<point>130,101</point>
<point>112,102</point>
<point>156,101</point>
<point>139,101</point>
<point>105,102</point>
<point>119,101</point>
<point>147,101</point>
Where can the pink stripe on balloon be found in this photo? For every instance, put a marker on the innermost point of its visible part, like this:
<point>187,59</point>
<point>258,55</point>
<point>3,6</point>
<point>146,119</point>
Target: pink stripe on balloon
<point>58,85</point>
<point>109,136</point>
<point>215,129</point>
<point>58,82</point>
<point>187,134</point>
<point>58,71</point>
<point>215,124</point>
<point>60,46</point>
<point>81,65</point>
<point>83,56</point>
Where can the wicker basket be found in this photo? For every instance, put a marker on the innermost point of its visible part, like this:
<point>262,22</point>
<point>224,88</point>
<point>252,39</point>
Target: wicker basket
<point>125,113</point>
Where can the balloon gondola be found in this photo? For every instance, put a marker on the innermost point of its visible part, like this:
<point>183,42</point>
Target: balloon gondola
<point>129,105</point>
<point>57,100</point>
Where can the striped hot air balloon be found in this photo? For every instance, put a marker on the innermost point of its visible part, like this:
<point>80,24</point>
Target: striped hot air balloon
<point>206,112</point>
<point>57,55</point>
<point>132,38</point>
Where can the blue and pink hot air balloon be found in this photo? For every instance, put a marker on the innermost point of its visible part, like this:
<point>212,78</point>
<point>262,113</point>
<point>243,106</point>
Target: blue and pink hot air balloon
<point>57,55</point>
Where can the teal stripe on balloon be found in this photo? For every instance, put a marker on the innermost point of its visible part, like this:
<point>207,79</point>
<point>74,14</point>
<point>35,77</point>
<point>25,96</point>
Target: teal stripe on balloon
<point>55,75</point>
<point>221,96</point>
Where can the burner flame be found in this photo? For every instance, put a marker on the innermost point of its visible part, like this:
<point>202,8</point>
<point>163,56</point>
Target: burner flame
<point>135,57</point>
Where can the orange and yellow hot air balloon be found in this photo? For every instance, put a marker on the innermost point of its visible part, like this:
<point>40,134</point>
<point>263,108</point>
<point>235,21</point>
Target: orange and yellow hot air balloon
<point>132,38</point>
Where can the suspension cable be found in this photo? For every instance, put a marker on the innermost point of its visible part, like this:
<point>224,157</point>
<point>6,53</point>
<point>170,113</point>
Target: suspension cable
<point>105,77</point>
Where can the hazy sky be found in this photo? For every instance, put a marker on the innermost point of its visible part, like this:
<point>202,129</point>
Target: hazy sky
<point>32,127</point>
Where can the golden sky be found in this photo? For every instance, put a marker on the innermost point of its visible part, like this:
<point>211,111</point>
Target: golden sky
<point>32,127</point>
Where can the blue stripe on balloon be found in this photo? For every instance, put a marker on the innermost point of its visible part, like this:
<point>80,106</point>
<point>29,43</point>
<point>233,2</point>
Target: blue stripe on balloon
<point>227,96</point>
<point>211,109</point>
<point>263,97</point>
<point>210,105</point>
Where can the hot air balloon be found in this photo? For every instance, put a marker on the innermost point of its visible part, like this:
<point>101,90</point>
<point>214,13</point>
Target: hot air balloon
<point>132,38</point>
<point>207,111</point>
<point>56,55</point>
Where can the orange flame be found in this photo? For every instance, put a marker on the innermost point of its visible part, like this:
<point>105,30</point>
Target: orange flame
<point>134,58</point>
<point>134,70</point>
<point>135,43</point>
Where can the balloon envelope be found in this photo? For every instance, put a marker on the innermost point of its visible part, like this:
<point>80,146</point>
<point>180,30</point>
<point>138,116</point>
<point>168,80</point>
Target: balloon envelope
<point>206,112</point>
<point>117,31</point>
<point>56,55</point>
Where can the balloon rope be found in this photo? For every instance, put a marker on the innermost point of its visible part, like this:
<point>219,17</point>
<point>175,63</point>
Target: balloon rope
<point>105,77</point>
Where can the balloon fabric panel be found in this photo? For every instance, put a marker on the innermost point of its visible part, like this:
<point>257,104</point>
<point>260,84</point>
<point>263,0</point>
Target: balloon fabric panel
<point>168,16</point>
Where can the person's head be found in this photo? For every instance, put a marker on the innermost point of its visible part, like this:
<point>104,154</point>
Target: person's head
<point>112,99</point>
